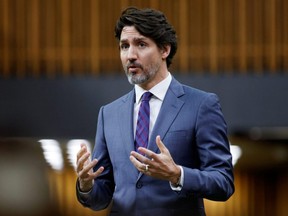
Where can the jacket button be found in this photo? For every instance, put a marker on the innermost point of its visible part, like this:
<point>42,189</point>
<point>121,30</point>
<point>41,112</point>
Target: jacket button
<point>139,185</point>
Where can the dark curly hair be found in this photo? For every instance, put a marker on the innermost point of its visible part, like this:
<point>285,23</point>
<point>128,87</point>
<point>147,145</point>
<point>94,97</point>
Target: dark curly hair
<point>150,23</point>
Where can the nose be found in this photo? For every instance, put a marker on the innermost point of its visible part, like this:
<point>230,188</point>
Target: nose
<point>131,53</point>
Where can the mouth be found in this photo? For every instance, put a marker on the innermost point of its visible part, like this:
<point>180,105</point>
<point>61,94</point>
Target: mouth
<point>132,68</point>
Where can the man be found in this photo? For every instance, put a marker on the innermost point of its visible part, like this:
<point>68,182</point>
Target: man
<point>187,157</point>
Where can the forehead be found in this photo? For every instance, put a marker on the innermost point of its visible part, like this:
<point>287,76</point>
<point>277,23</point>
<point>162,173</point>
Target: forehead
<point>131,33</point>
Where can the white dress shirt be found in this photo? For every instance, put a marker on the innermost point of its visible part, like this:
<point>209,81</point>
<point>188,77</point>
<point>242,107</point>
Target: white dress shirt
<point>159,92</point>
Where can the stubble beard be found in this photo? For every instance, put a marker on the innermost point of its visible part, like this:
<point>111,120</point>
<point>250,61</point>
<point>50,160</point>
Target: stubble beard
<point>147,73</point>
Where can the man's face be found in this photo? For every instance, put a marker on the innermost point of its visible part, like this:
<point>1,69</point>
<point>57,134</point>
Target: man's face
<point>142,60</point>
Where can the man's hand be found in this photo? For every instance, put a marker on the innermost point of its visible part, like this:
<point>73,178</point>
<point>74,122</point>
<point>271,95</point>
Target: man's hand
<point>84,169</point>
<point>160,166</point>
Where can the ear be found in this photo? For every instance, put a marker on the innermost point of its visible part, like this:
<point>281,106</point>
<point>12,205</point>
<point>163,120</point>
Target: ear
<point>165,51</point>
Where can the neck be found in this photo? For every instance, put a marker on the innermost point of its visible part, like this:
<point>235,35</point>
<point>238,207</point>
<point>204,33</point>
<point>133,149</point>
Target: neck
<point>154,80</point>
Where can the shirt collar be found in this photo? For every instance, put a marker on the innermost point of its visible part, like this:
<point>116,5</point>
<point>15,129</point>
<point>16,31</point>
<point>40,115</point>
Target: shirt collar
<point>158,90</point>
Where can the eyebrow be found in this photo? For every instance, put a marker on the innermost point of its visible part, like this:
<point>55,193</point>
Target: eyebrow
<point>137,39</point>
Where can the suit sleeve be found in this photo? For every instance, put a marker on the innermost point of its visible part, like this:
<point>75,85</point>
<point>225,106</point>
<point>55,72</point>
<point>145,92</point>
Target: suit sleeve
<point>214,177</point>
<point>101,194</point>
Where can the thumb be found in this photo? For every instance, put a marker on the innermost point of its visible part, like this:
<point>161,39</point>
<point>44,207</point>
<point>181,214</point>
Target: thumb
<point>160,144</point>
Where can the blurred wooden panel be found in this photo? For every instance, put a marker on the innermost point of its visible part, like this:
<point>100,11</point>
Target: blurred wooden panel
<point>240,38</point>
<point>260,190</point>
<point>4,38</point>
<point>64,38</point>
<point>95,40</point>
<point>284,32</point>
<point>20,37</point>
<point>257,193</point>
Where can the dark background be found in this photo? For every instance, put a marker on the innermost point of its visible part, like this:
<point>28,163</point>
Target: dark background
<point>68,107</point>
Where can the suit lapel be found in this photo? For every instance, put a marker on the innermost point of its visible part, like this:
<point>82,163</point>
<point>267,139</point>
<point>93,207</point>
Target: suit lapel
<point>125,121</point>
<point>168,112</point>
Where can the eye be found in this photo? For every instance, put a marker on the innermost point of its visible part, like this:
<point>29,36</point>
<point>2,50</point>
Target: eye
<point>124,46</point>
<point>142,44</point>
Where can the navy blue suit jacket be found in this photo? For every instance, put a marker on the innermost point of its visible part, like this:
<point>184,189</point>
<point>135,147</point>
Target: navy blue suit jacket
<point>192,127</point>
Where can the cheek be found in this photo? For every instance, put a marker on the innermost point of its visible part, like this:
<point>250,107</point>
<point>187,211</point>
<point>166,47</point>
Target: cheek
<point>154,59</point>
<point>150,58</point>
<point>123,58</point>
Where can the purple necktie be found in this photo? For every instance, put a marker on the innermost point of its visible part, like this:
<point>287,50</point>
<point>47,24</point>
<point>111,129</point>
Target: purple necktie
<point>142,129</point>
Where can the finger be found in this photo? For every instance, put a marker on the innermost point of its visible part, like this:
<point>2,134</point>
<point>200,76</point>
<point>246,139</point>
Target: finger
<point>93,175</point>
<point>144,159</point>
<point>149,157</point>
<point>134,157</point>
<point>146,152</point>
<point>82,151</point>
<point>138,156</point>
<point>139,165</point>
<point>89,166</point>
<point>87,171</point>
<point>83,145</point>
<point>160,144</point>
<point>84,159</point>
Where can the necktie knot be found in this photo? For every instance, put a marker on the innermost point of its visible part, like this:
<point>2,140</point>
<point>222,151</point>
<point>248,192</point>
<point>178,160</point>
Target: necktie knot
<point>147,96</point>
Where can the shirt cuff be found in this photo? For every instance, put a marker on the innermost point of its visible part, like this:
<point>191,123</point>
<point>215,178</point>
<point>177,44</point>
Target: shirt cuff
<point>180,183</point>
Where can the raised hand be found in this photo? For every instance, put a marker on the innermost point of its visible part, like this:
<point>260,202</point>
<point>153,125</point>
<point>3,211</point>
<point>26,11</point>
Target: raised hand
<point>160,165</point>
<point>84,169</point>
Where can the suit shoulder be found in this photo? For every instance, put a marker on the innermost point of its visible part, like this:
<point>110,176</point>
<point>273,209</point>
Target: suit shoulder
<point>198,93</point>
<point>120,100</point>
<point>191,94</point>
<point>198,97</point>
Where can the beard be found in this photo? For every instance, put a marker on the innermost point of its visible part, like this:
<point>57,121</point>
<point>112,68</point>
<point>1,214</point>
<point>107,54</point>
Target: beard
<point>139,78</point>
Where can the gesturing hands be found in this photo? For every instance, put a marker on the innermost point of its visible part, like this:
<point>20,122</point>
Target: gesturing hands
<point>84,169</point>
<point>160,166</point>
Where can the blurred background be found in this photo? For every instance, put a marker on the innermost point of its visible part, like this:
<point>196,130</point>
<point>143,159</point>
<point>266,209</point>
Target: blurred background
<point>59,62</point>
